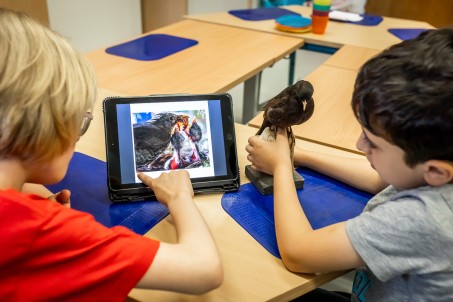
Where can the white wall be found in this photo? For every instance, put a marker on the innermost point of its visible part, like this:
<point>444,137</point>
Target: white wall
<point>94,24</point>
<point>203,6</point>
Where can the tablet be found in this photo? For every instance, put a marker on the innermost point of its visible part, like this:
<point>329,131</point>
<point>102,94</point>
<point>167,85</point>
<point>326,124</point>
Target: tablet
<point>159,133</point>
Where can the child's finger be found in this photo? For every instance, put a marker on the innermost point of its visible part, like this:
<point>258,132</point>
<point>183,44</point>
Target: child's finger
<point>63,197</point>
<point>146,180</point>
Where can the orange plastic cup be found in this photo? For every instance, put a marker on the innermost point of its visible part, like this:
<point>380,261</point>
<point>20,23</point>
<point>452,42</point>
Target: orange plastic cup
<point>319,24</point>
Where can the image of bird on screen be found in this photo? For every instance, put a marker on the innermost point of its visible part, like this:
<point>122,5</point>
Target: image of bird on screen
<point>293,106</point>
<point>170,140</point>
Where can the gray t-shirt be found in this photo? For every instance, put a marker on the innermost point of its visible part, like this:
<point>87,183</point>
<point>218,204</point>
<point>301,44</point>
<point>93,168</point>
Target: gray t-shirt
<point>406,240</point>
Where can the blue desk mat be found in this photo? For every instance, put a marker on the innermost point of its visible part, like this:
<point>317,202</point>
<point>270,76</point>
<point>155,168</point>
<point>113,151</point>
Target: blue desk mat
<point>368,20</point>
<point>151,47</point>
<point>87,180</point>
<point>259,14</point>
<point>406,33</point>
<point>325,201</point>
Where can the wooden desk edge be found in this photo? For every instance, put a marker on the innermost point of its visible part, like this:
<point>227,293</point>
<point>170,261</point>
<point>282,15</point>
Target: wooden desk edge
<point>305,288</point>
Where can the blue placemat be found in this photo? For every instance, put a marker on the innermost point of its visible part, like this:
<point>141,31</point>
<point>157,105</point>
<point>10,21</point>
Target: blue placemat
<point>325,201</point>
<point>87,180</point>
<point>368,20</point>
<point>406,33</point>
<point>151,47</point>
<point>258,14</point>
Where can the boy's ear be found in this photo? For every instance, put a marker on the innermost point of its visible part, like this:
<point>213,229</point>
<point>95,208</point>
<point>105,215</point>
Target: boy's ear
<point>438,172</point>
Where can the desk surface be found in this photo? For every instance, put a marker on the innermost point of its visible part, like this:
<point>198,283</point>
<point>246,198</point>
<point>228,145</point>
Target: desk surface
<point>251,273</point>
<point>333,122</point>
<point>223,58</point>
<point>351,57</point>
<point>337,33</point>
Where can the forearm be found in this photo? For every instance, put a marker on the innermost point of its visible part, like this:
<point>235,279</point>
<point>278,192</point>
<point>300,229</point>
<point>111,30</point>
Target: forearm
<point>196,243</point>
<point>190,225</point>
<point>191,265</point>
<point>356,172</point>
<point>290,220</point>
<point>303,249</point>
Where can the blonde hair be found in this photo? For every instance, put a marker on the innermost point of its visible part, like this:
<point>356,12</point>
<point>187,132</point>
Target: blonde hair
<point>46,86</point>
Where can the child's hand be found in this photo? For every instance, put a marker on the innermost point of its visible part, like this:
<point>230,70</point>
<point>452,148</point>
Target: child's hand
<point>266,156</point>
<point>168,186</point>
<point>63,197</point>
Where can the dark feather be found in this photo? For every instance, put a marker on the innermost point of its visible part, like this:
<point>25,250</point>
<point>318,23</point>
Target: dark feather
<point>293,106</point>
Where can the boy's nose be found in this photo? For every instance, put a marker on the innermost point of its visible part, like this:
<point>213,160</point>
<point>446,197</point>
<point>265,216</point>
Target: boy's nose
<point>361,144</point>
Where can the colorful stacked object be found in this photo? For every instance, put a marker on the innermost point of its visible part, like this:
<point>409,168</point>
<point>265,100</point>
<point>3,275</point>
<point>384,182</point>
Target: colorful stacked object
<point>320,16</point>
<point>294,24</point>
<point>322,6</point>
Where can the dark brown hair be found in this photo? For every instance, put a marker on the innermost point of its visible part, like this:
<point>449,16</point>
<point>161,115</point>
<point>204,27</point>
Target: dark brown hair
<point>405,95</point>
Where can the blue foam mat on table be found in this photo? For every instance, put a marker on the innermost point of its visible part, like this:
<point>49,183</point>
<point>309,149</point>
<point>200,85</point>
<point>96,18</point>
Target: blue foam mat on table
<point>87,180</point>
<point>151,47</point>
<point>406,33</point>
<point>259,14</point>
<point>325,201</point>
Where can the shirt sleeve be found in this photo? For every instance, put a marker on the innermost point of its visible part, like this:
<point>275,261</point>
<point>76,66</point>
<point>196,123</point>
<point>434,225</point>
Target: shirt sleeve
<point>87,258</point>
<point>396,238</point>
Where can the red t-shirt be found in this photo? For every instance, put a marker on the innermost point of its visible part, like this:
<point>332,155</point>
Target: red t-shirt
<point>52,253</point>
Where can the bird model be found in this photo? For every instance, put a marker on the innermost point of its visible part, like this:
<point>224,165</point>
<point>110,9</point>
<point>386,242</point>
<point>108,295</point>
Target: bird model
<point>293,106</point>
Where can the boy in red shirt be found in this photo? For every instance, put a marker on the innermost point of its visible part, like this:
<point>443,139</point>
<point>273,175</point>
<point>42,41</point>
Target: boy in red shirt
<point>49,252</point>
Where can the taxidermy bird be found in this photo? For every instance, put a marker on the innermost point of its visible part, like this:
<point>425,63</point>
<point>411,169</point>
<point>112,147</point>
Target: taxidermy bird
<point>153,137</point>
<point>293,106</point>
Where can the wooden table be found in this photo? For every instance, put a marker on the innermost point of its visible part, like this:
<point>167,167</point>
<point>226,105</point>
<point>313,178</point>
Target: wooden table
<point>251,273</point>
<point>351,57</point>
<point>223,58</point>
<point>337,33</point>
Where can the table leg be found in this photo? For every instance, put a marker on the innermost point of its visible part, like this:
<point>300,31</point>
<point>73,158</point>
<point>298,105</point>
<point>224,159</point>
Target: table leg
<point>292,65</point>
<point>251,98</point>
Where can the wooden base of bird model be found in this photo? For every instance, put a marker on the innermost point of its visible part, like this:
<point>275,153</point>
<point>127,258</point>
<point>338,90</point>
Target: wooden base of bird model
<point>293,106</point>
<point>265,182</point>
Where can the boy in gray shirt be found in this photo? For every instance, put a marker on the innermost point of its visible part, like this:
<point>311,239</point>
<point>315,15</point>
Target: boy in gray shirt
<point>402,244</point>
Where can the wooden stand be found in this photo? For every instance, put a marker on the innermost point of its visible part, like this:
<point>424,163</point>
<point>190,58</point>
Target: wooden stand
<point>265,182</point>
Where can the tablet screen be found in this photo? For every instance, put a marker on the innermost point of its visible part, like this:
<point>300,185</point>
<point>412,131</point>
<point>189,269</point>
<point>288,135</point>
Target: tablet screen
<point>163,133</point>
<point>155,137</point>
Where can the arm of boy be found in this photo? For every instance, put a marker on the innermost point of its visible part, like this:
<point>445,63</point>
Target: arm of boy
<point>193,264</point>
<point>356,172</point>
<point>302,249</point>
